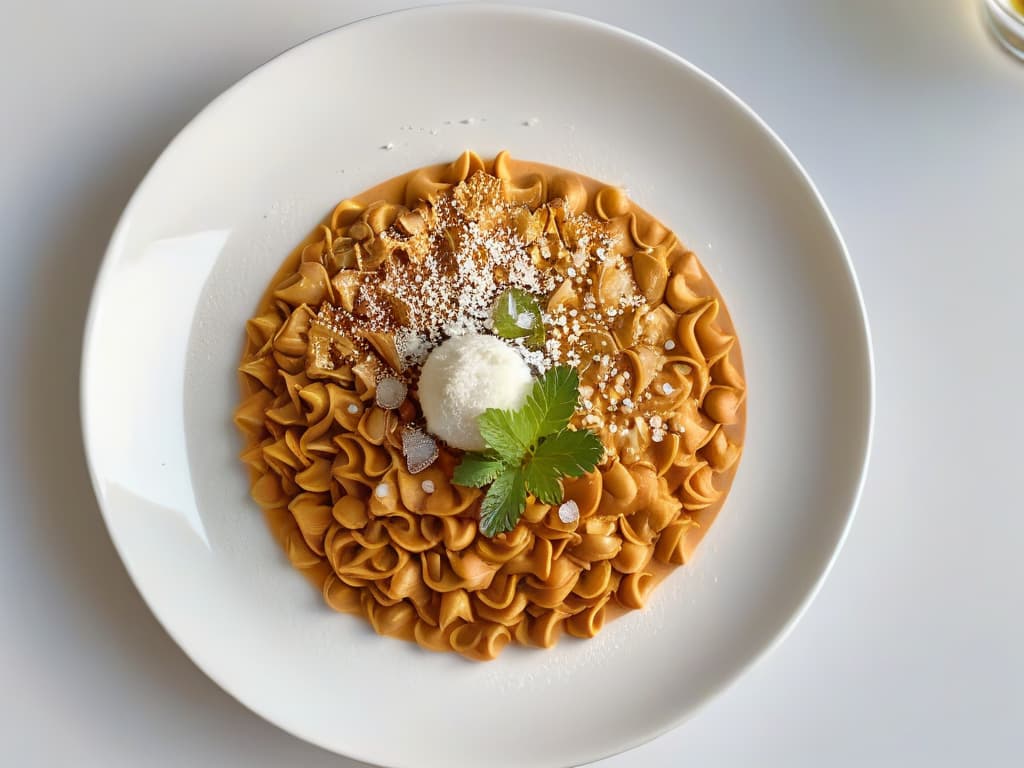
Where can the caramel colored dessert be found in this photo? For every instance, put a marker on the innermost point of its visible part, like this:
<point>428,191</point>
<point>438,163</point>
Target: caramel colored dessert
<point>361,497</point>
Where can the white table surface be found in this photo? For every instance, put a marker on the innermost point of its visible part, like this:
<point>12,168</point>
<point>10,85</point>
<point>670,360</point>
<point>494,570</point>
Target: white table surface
<point>910,120</point>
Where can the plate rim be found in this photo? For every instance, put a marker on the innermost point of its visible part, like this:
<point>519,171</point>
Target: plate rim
<point>541,15</point>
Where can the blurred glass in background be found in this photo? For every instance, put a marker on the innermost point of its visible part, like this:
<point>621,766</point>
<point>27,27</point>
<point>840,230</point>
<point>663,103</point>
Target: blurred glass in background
<point>1006,17</point>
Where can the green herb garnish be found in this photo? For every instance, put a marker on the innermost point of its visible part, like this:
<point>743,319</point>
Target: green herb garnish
<point>529,450</point>
<point>517,316</point>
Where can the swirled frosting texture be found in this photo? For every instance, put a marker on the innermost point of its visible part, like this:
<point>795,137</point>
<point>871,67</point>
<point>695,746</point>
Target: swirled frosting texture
<point>403,550</point>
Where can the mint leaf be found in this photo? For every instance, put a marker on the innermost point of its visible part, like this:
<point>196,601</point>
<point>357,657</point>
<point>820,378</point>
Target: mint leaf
<point>569,453</point>
<point>543,482</point>
<point>507,433</point>
<point>517,315</point>
<point>552,401</point>
<point>476,470</point>
<point>532,450</point>
<point>504,503</point>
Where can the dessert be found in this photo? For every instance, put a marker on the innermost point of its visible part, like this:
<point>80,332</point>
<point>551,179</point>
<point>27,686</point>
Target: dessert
<point>465,376</point>
<point>488,402</point>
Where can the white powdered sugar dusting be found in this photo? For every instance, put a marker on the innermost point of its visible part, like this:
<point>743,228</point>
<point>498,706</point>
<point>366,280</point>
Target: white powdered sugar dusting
<point>442,280</point>
<point>411,347</point>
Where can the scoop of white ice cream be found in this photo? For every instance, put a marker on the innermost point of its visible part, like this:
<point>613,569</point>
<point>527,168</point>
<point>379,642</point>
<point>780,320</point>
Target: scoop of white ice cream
<point>465,376</point>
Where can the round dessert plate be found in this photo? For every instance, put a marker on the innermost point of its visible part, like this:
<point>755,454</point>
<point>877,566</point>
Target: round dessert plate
<point>249,177</point>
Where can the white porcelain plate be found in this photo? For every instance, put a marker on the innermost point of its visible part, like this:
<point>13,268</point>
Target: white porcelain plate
<point>249,177</point>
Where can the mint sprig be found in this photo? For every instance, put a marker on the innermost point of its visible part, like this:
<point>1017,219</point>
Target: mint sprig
<point>504,503</point>
<point>476,470</point>
<point>552,401</point>
<point>507,433</point>
<point>529,450</point>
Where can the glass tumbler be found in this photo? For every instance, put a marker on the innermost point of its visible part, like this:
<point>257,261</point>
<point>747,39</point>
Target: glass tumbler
<point>1006,18</point>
